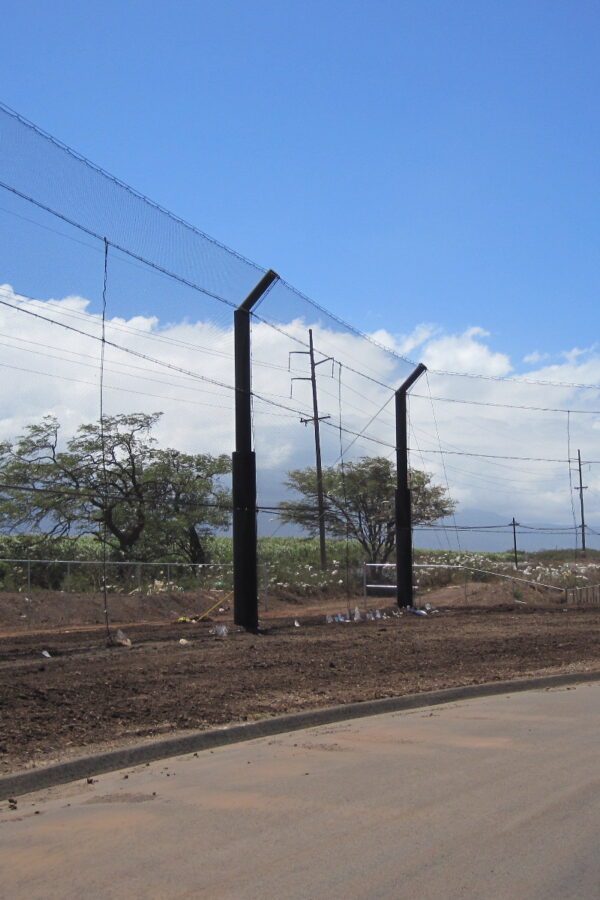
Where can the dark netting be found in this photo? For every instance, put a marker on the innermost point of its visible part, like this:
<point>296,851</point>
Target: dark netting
<point>52,177</point>
<point>170,292</point>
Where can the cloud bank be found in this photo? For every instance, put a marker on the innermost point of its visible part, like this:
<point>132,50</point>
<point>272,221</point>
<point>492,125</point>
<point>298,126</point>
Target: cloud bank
<point>501,446</point>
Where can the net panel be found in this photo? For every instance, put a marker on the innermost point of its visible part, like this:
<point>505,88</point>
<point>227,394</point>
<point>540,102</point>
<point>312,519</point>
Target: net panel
<point>171,291</point>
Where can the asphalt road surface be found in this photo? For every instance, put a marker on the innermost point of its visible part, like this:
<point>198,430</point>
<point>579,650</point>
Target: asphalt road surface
<point>489,798</point>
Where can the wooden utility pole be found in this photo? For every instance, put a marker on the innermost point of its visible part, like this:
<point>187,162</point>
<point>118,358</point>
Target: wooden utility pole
<point>315,419</point>
<point>514,528</point>
<point>582,487</point>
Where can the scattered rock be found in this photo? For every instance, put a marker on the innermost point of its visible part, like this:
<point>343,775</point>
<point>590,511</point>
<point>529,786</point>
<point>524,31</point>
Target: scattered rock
<point>121,639</point>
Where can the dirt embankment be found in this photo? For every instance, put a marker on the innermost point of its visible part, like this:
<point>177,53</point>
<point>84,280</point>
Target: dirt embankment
<point>176,676</point>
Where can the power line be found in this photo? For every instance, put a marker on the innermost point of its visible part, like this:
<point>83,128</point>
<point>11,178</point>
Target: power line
<point>130,369</point>
<point>137,353</point>
<point>515,379</point>
<point>494,529</point>
<point>71,313</point>
<point>298,507</point>
<point>584,412</point>
<point>494,483</point>
<point>86,317</point>
<point>494,456</point>
<point>440,446</point>
<point>288,408</point>
<point>113,387</point>
<point>171,366</point>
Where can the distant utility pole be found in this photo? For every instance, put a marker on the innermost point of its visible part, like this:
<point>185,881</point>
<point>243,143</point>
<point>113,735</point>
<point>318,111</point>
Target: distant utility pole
<point>582,487</point>
<point>315,420</point>
<point>514,528</point>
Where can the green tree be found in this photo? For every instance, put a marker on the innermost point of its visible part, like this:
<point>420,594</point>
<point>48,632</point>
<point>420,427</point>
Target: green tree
<point>151,503</point>
<point>360,502</point>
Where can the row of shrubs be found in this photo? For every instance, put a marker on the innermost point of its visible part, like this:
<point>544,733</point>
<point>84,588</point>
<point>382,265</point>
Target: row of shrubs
<point>287,564</point>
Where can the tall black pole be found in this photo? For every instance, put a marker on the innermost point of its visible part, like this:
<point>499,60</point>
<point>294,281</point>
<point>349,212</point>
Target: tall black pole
<point>245,581</point>
<point>404,553</point>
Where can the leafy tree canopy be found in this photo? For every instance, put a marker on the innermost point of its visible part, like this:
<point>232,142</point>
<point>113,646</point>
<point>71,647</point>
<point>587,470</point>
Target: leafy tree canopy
<point>151,503</point>
<point>360,502</point>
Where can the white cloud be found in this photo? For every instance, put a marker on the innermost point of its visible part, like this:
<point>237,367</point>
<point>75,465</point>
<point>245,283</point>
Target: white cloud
<point>50,369</point>
<point>407,344</point>
<point>573,356</point>
<point>536,357</point>
<point>465,352</point>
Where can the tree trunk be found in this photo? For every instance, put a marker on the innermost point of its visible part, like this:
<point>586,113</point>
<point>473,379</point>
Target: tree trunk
<point>196,550</point>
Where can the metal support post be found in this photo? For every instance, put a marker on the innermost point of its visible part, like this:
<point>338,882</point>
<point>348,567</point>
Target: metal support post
<point>245,579</point>
<point>404,552</point>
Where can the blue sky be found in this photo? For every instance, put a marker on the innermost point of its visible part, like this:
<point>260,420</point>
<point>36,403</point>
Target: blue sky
<point>428,171</point>
<point>401,162</point>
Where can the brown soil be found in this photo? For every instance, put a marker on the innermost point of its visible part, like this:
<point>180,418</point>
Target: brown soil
<point>89,695</point>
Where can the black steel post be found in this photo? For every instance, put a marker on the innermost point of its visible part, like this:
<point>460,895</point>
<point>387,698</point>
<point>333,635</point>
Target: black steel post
<point>404,553</point>
<point>514,528</point>
<point>245,579</point>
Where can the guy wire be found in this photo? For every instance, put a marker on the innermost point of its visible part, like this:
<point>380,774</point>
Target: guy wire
<point>437,431</point>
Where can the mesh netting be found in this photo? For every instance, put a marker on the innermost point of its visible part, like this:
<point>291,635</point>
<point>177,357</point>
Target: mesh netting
<point>170,294</point>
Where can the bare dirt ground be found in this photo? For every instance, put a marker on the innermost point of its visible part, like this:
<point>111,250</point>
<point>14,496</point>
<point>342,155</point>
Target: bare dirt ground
<point>91,695</point>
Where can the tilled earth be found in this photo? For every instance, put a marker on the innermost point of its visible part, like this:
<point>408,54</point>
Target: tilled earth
<point>89,695</point>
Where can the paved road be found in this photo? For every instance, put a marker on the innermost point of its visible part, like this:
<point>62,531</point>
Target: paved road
<point>489,798</point>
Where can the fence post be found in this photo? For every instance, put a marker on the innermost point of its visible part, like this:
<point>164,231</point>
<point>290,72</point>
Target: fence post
<point>265,569</point>
<point>245,587</point>
<point>28,574</point>
<point>68,577</point>
<point>404,554</point>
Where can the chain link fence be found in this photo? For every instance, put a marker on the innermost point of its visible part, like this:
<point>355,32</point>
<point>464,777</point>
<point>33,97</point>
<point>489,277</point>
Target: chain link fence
<point>85,576</point>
